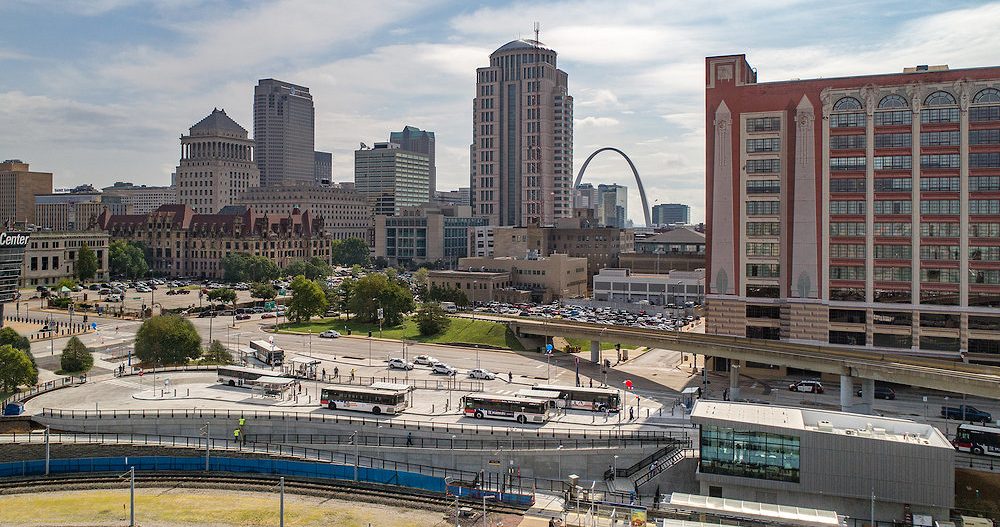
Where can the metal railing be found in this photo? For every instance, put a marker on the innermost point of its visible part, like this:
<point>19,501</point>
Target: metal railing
<point>401,424</point>
<point>485,481</point>
<point>660,466</point>
<point>669,450</point>
<point>41,388</point>
<point>385,440</point>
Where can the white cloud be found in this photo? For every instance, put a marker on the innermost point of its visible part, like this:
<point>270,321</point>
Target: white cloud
<point>599,122</point>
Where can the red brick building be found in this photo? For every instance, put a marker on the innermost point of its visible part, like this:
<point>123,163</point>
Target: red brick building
<point>861,211</point>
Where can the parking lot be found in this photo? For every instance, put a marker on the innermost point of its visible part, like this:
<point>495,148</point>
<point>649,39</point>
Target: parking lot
<point>685,317</point>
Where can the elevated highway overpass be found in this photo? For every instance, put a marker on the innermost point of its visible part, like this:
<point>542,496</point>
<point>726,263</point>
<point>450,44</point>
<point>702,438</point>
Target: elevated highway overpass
<point>868,366</point>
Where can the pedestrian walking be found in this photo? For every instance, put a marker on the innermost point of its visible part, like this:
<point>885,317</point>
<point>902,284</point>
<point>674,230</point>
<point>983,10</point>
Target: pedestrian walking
<point>409,439</point>
<point>631,413</point>
<point>324,374</point>
<point>236,436</point>
<point>510,377</point>
<point>243,421</point>
<point>336,372</point>
<point>591,382</point>
<point>352,374</point>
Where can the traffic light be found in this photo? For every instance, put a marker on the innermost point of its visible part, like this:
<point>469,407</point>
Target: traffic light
<point>618,347</point>
<point>369,334</point>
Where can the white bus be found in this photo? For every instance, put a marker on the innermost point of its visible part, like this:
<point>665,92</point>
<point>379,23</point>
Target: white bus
<point>981,440</point>
<point>240,375</point>
<point>520,409</point>
<point>364,399</point>
<point>531,393</point>
<point>267,352</point>
<point>580,398</point>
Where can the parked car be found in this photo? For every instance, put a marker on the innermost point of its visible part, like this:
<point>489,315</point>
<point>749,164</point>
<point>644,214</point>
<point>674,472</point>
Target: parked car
<point>103,291</point>
<point>806,387</point>
<point>208,314</point>
<point>268,315</point>
<point>479,373</point>
<point>400,364</point>
<point>243,316</point>
<point>113,298</point>
<point>970,414</point>
<point>442,368</point>
<point>882,392</point>
<point>425,360</point>
<point>329,334</point>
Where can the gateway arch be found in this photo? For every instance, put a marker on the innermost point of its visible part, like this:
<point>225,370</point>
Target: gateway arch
<point>638,182</point>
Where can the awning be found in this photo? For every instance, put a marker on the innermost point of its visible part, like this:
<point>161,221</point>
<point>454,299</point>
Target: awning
<point>273,381</point>
<point>784,514</point>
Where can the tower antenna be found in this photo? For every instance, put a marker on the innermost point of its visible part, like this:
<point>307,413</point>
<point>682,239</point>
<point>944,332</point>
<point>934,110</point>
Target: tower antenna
<point>538,28</point>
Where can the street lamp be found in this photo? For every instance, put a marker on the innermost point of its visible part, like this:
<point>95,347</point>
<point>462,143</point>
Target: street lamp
<point>559,455</point>
<point>485,497</point>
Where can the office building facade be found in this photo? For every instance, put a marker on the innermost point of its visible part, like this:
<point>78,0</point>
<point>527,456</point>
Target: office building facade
<point>391,178</point>
<point>414,139</point>
<point>345,213</point>
<point>217,164</point>
<point>18,188</point>
<point>675,288</point>
<point>862,211</point>
<point>522,128</point>
<point>323,167</point>
<point>284,132</point>
<point>425,234</point>
<point>51,256</point>
<point>180,242</point>
<point>612,206</point>
<point>546,278</point>
<point>141,199</point>
<point>462,196</point>
<point>671,214</point>
<point>585,197</point>
<point>72,212</point>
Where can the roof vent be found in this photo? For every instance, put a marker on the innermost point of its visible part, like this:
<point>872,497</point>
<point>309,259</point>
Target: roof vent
<point>825,426</point>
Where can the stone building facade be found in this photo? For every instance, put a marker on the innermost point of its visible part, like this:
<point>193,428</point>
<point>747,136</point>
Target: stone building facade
<point>217,164</point>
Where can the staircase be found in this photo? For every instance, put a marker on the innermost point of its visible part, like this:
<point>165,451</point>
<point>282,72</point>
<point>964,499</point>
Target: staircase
<point>629,480</point>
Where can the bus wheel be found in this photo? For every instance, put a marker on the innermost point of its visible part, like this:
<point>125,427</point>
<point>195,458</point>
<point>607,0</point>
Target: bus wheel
<point>332,405</point>
<point>232,383</point>
<point>478,414</point>
<point>978,450</point>
<point>522,419</point>
<point>601,408</point>
<point>376,410</point>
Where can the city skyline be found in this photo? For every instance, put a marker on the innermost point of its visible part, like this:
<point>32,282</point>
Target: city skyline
<point>100,105</point>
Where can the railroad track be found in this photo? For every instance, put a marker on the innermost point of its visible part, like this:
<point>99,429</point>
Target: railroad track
<point>387,495</point>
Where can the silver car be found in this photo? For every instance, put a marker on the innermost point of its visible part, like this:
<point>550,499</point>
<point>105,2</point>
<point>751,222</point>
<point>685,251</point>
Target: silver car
<point>479,373</point>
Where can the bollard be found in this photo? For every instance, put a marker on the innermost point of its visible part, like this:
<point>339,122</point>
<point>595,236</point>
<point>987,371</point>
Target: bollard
<point>432,408</point>
<point>647,413</point>
<point>660,412</point>
<point>175,392</point>
<point>189,392</point>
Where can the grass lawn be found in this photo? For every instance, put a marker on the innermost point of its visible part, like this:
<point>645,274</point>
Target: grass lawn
<point>461,331</point>
<point>200,507</point>
<point>585,344</point>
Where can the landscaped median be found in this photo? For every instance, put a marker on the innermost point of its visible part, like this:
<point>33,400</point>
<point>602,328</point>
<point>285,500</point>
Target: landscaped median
<point>463,331</point>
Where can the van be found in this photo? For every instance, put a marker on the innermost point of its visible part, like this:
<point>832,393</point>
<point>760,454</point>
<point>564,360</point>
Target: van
<point>449,307</point>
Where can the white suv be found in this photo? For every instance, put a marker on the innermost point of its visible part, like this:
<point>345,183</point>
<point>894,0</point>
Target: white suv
<point>400,364</point>
<point>425,359</point>
<point>440,367</point>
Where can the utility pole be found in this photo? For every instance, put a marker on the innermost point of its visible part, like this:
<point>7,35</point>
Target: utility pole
<point>281,503</point>
<point>208,442</point>
<point>47,450</point>
<point>131,497</point>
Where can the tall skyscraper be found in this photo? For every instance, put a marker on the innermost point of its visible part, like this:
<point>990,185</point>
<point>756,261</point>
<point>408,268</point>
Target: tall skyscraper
<point>391,178</point>
<point>414,139</point>
<point>671,214</point>
<point>612,205</point>
<point>585,196</point>
<point>522,128</point>
<point>861,211</point>
<point>323,170</point>
<point>217,164</point>
<point>284,130</point>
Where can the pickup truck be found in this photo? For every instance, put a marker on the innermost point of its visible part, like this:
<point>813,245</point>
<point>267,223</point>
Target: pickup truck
<point>971,414</point>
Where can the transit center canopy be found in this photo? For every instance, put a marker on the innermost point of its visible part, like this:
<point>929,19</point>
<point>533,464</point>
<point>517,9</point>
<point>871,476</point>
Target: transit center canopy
<point>783,514</point>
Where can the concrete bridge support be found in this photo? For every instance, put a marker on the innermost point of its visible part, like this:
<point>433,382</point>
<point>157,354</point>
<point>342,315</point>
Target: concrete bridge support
<point>595,351</point>
<point>867,396</point>
<point>846,393</point>
<point>734,382</point>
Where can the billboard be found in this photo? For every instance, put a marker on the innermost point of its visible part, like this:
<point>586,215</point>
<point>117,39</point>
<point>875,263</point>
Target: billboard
<point>12,246</point>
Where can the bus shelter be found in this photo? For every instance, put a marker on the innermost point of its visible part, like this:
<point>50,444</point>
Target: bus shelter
<point>299,366</point>
<point>269,386</point>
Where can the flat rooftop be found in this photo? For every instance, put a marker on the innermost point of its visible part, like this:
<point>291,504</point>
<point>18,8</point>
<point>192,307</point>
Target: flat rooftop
<point>821,421</point>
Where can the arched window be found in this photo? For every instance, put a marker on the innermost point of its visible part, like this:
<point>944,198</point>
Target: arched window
<point>847,103</point>
<point>940,98</point>
<point>892,101</point>
<point>987,95</point>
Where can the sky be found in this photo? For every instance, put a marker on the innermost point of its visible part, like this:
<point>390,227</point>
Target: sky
<point>98,91</point>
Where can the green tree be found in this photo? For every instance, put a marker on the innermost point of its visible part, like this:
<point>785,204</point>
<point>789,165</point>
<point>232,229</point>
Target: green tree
<point>344,293</point>
<point>76,357</point>
<point>356,270</point>
<point>16,369</point>
<point>263,291</point>
<point>312,268</point>
<point>9,337</point>
<point>217,354</point>
<point>431,319</point>
<point>242,267</point>
<point>224,295</point>
<point>421,279</point>
<point>375,291</point>
<point>86,263</point>
<point>167,339</point>
<point>127,259</point>
<point>307,300</point>
<point>352,251</point>
<point>448,294</point>
<point>65,282</point>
